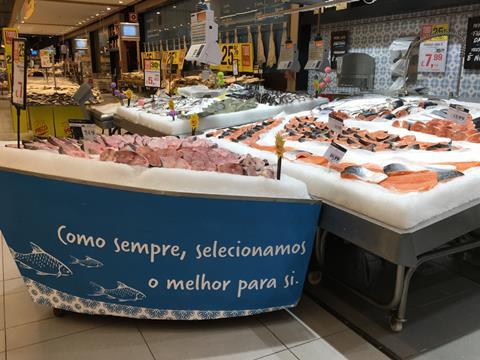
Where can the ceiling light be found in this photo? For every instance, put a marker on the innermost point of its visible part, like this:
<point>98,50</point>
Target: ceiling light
<point>120,2</point>
<point>108,8</point>
<point>158,12</point>
<point>97,14</point>
<point>174,6</point>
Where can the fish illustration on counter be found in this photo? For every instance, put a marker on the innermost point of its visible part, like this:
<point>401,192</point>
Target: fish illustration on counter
<point>121,293</point>
<point>41,262</point>
<point>88,262</point>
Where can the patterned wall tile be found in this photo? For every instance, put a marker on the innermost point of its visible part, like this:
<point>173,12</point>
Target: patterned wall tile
<point>374,36</point>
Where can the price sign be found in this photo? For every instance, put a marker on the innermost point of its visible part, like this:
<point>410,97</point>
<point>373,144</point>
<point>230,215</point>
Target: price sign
<point>152,72</point>
<point>19,79</point>
<point>240,53</point>
<point>82,130</point>
<point>8,35</point>
<point>335,124</point>
<point>458,114</point>
<point>433,53</point>
<point>235,68</point>
<point>472,50</point>
<point>45,61</point>
<point>335,153</point>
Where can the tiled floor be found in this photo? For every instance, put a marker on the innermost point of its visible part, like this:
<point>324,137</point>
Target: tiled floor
<point>306,333</point>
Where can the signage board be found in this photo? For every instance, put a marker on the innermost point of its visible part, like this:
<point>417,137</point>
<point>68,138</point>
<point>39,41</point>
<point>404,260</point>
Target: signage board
<point>8,35</point>
<point>240,53</point>
<point>432,56</point>
<point>19,79</point>
<point>152,71</point>
<point>45,60</point>
<point>315,56</point>
<point>338,46</point>
<point>472,49</point>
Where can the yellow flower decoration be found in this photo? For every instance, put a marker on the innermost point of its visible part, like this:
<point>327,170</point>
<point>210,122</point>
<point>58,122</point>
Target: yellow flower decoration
<point>129,94</point>
<point>171,104</point>
<point>194,120</point>
<point>316,84</point>
<point>279,145</point>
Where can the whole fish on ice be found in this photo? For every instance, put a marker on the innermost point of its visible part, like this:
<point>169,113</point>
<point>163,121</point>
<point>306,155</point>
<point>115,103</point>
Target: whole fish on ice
<point>88,262</point>
<point>121,293</point>
<point>41,262</point>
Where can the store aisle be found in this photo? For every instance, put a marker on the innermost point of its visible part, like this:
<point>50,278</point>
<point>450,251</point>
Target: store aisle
<point>33,333</point>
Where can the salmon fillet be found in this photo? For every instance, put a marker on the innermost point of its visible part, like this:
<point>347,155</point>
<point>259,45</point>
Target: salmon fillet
<point>411,182</point>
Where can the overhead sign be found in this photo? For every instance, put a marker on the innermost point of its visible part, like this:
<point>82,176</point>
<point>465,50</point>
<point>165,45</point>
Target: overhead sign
<point>288,58</point>
<point>315,56</point>
<point>433,53</point>
<point>152,70</point>
<point>236,53</point>
<point>204,34</point>
<point>19,79</point>
<point>173,57</point>
<point>8,35</point>
<point>106,265</point>
<point>472,49</point>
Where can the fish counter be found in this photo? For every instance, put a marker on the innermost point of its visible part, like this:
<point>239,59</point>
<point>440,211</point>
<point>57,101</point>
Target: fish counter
<point>147,227</point>
<point>397,193</point>
<point>236,108</point>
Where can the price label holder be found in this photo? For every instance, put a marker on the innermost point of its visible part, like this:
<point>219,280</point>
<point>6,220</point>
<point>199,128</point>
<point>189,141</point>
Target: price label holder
<point>235,68</point>
<point>458,114</point>
<point>335,153</point>
<point>152,72</point>
<point>335,123</point>
<point>19,79</point>
<point>82,129</point>
<point>315,56</point>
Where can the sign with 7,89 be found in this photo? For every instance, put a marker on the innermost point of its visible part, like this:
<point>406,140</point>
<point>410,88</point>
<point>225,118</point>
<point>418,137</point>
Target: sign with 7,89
<point>19,80</point>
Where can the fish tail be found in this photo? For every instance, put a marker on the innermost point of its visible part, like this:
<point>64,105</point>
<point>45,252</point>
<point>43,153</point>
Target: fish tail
<point>99,290</point>
<point>75,260</point>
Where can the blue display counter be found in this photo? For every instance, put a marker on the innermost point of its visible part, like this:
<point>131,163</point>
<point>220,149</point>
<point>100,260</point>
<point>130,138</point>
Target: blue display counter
<point>94,249</point>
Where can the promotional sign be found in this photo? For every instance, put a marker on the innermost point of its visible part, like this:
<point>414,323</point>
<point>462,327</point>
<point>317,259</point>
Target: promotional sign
<point>182,257</point>
<point>45,60</point>
<point>433,53</point>
<point>8,35</point>
<point>288,58</point>
<point>152,71</point>
<point>338,46</point>
<point>19,79</point>
<point>204,37</point>
<point>173,57</point>
<point>472,49</point>
<point>242,53</point>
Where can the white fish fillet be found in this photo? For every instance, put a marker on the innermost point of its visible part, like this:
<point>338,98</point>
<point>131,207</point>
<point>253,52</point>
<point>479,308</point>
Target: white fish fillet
<point>249,35</point>
<point>260,48</point>
<point>272,57</point>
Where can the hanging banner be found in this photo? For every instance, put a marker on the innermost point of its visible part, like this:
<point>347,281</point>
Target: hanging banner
<point>8,35</point>
<point>174,57</point>
<point>472,49</point>
<point>152,71</point>
<point>432,57</point>
<point>28,9</point>
<point>239,53</point>
<point>183,265</point>
<point>19,78</point>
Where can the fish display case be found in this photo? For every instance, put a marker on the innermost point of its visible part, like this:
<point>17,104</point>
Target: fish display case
<point>109,232</point>
<point>234,107</point>
<point>406,187</point>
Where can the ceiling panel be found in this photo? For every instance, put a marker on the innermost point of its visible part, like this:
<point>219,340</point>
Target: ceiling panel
<point>57,17</point>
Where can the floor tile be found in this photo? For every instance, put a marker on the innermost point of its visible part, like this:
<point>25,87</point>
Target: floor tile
<point>2,314</point>
<point>287,329</point>
<point>14,286</point>
<point>283,355</point>
<point>317,318</point>
<point>119,342</point>
<point>52,328</point>
<point>465,348</point>
<point>20,309</point>
<point>10,267</point>
<point>354,347</point>
<point>2,341</point>
<point>317,350</point>
<point>233,339</point>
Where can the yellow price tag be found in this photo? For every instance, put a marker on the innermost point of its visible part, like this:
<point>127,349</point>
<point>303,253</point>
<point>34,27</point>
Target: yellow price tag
<point>171,104</point>
<point>279,145</point>
<point>237,53</point>
<point>440,30</point>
